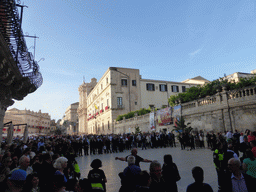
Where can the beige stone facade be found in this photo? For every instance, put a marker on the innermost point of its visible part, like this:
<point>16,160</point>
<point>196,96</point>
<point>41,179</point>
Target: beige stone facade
<point>225,111</point>
<point>72,117</point>
<point>235,76</point>
<point>38,122</point>
<point>120,91</point>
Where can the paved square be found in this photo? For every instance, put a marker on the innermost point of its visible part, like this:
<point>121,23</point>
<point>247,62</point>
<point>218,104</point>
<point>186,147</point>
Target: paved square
<point>184,159</point>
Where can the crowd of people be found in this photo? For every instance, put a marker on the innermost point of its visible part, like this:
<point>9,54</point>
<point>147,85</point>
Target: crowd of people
<point>48,163</point>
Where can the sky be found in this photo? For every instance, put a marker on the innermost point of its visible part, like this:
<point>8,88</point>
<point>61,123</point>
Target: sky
<point>169,40</point>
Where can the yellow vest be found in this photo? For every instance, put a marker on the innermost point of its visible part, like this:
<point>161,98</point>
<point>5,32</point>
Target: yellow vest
<point>220,157</point>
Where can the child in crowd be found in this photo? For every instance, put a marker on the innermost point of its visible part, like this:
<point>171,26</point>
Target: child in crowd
<point>97,176</point>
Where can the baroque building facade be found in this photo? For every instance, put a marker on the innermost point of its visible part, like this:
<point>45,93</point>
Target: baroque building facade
<point>37,122</point>
<point>71,118</point>
<point>120,91</point>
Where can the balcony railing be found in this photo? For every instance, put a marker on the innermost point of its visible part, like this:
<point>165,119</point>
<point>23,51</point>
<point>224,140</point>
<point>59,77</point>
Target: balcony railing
<point>120,106</point>
<point>10,29</point>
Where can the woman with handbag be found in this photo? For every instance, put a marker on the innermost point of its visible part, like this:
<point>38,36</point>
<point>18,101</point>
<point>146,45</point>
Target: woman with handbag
<point>170,174</point>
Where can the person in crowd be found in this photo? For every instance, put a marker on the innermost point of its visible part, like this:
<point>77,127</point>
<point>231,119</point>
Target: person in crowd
<point>45,177</point>
<point>5,170</point>
<point>249,165</point>
<point>138,159</point>
<point>73,185</point>
<point>130,175</point>
<point>24,163</point>
<point>15,162</point>
<point>143,182</point>
<point>208,140</point>
<point>241,138</point>
<point>58,184</point>
<point>156,177</point>
<point>229,135</point>
<point>199,185</point>
<point>97,176</point>
<point>16,181</point>
<point>40,144</point>
<point>170,174</point>
<point>253,145</point>
<point>36,163</point>
<point>230,151</point>
<point>31,184</point>
<point>244,146</point>
<point>85,185</point>
<point>60,164</point>
<point>182,141</point>
<point>251,137</point>
<point>219,163</point>
<point>236,180</point>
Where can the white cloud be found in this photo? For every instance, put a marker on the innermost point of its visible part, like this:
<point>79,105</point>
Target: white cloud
<point>195,52</point>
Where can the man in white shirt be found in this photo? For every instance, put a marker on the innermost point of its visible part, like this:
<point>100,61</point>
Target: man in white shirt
<point>229,135</point>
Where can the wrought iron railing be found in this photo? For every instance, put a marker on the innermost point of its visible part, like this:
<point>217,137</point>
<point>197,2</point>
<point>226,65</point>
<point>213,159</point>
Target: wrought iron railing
<point>10,28</point>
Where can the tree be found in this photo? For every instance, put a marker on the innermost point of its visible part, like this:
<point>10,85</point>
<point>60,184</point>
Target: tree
<point>181,126</point>
<point>137,130</point>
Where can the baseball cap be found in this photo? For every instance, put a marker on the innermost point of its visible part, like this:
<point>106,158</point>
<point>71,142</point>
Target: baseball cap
<point>18,175</point>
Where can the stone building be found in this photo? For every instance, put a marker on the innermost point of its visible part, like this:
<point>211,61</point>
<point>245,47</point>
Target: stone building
<point>235,76</point>
<point>38,122</point>
<point>71,118</point>
<point>120,91</point>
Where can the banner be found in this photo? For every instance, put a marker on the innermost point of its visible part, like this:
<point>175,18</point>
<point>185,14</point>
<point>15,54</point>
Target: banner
<point>176,114</point>
<point>164,116</point>
<point>152,120</point>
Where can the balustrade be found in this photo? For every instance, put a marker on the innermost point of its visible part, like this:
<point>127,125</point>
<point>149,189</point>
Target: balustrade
<point>244,92</point>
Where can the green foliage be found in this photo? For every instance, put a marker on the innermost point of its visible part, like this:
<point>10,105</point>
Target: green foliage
<point>209,89</point>
<point>132,114</point>
<point>181,125</point>
<point>137,130</point>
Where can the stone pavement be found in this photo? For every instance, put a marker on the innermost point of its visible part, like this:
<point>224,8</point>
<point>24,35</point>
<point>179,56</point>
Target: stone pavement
<point>184,159</point>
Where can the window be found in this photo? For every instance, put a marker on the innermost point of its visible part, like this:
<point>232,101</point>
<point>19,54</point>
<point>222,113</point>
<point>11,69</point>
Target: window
<point>183,88</point>
<point>107,102</point>
<point>133,82</point>
<point>152,106</point>
<point>101,105</point>
<point>106,80</point>
<point>163,87</point>
<point>175,88</point>
<point>108,125</point>
<point>119,101</point>
<point>124,82</point>
<point>135,103</point>
<point>101,86</point>
<point>150,87</point>
<point>102,126</point>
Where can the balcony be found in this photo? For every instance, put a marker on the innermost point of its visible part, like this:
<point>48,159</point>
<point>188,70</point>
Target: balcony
<point>18,69</point>
<point>106,108</point>
<point>120,106</point>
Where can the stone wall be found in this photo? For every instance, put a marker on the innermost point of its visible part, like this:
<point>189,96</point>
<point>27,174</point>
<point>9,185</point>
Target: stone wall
<point>227,110</point>
<point>128,125</point>
<point>224,111</point>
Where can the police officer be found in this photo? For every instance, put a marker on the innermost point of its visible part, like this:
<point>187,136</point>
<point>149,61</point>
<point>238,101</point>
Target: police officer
<point>218,159</point>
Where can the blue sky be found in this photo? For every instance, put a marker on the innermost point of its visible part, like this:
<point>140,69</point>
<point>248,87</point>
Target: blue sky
<point>167,40</point>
